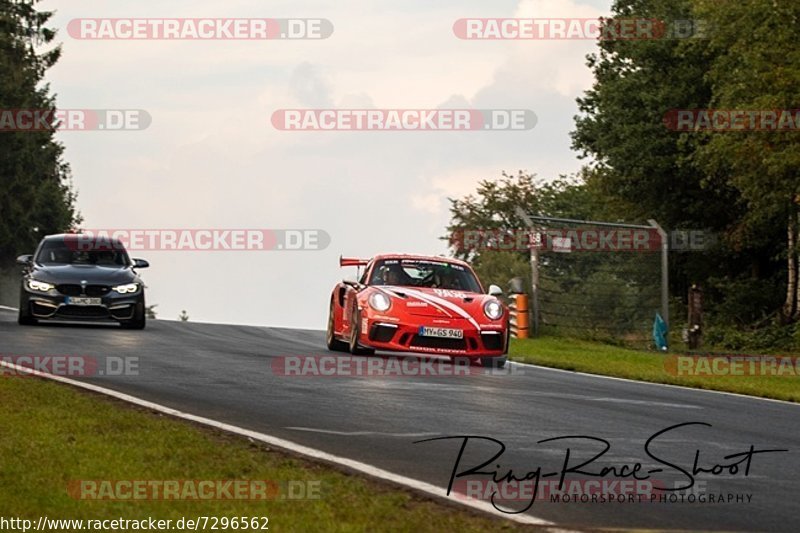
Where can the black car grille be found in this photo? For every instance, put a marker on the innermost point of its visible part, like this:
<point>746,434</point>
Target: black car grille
<point>437,342</point>
<point>492,341</point>
<point>91,290</point>
<point>97,290</point>
<point>69,290</point>
<point>83,312</point>
<point>381,333</point>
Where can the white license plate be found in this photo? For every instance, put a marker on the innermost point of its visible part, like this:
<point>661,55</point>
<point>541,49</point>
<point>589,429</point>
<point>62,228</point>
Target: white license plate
<point>446,333</point>
<point>84,301</point>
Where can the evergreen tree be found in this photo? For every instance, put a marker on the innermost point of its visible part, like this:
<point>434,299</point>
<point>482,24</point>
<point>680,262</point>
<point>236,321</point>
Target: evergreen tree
<point>36,197</point>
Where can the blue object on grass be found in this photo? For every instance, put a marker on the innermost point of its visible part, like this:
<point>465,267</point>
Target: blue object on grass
<point>660,333</point>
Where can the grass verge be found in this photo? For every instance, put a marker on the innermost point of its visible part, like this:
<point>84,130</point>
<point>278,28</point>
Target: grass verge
<point>52,435</point>
<point>596,358</point>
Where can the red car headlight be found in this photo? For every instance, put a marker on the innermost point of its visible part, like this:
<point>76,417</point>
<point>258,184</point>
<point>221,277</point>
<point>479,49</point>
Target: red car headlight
<point>493,309</point>
<point>379,301</point>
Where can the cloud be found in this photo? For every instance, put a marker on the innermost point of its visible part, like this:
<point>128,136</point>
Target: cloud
<point>307,86</point>
<point>212,159</point>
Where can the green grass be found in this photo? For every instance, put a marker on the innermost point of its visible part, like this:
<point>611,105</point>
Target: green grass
<point>52,434</point>
<point>596,358</point>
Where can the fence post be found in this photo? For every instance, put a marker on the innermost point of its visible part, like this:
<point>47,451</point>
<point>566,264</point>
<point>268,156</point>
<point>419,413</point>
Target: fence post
<point>664,271</point>
<point>695,330</point>
<point>535,288</point>
<point>535,243</point>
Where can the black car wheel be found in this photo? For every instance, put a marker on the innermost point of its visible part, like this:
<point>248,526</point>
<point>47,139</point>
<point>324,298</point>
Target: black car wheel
<point>494,362</point>
<point>24,317</point>
<point>333,343</point>
<point>139,319</point>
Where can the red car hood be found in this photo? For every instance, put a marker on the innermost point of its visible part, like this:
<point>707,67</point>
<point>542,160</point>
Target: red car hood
<point>437,302</point>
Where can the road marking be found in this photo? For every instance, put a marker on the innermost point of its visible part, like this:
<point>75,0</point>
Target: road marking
<point>372,471</point>
<point>8,308</point>
<point>362,433</point>
<point>581,397</point>
<point>600,376</point>
<point>645,402</point>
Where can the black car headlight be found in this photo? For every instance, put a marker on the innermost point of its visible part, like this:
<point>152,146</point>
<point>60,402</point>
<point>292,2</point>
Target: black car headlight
<point>128,288</point>
<point>40,286</point>
<point>493,309</point>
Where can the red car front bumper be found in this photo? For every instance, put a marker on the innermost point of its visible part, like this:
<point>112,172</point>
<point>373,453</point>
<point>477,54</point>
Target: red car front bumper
<point>384,333</point>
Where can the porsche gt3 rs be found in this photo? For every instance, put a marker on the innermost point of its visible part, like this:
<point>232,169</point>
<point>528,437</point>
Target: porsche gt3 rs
<point>422,304</point>
<point>77,279</point>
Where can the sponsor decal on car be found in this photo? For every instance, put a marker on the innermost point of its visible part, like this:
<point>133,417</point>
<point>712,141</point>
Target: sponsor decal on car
<point>447,293</point>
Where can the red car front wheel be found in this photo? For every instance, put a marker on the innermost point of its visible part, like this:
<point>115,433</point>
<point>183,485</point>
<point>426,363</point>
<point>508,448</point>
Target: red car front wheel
<point>333,343</point>
<point>355,347</point>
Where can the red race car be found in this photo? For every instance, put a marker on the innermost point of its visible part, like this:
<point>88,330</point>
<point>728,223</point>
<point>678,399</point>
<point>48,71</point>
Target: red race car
<point>421,304</point>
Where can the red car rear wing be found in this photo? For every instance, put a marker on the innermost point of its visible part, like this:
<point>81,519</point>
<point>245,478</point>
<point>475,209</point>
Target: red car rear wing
<point>352,261</point>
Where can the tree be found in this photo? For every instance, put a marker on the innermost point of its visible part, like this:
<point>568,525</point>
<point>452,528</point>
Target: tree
<point>621,125</point>
<point>493,212</point>
<point>184,317</point>
<point>757,67</point>
<point>495,208</point>
<point>693,180</point>
<point>36,196</point>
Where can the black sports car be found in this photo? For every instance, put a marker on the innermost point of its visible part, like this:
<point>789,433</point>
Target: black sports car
<point>75,277</point>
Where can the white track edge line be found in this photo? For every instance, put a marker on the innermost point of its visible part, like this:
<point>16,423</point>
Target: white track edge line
<point>369,470</point>
<point>682,387</point>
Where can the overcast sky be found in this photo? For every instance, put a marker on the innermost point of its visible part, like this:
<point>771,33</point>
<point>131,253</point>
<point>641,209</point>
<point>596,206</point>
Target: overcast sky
<point>211,158</point>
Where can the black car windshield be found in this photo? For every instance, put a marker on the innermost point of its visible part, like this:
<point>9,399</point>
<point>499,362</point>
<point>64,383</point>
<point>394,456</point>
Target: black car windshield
<point>424,273</point>
<point>63,252</point>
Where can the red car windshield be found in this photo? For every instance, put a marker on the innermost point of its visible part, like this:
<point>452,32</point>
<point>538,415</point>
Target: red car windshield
<point>424,273</point>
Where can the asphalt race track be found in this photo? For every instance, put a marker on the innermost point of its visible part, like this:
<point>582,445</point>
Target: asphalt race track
<point>225,373</point>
